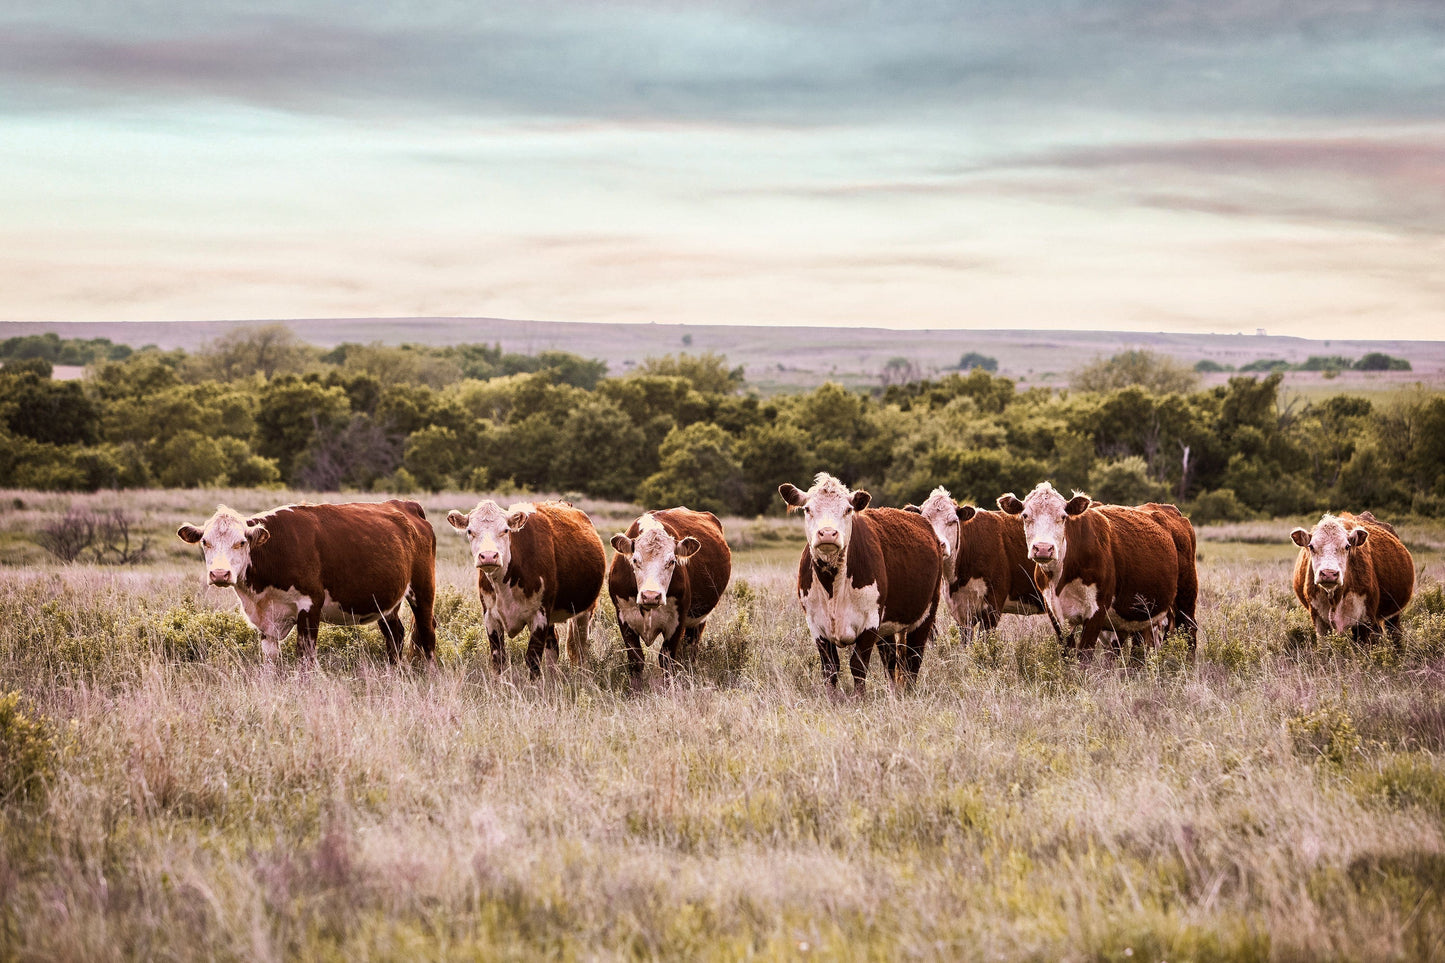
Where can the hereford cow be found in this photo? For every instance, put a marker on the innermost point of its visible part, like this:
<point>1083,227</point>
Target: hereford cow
<point>986,567</point>
<point>1109,567</point>
<point>303,565</point>
<point>866,576</point>
<point>1353,574</point>
<point>537,565</point>
<point>670,569</point>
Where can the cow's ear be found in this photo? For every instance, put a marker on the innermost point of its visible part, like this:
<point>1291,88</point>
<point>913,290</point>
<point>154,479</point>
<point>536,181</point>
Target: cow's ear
<point>687,548</point>
<point>257,534</point>
<point>861,500</point>
<point>791,495</point>
<point>458,520</point>
<point>1300,537</point>
<point>965,512</point>
<point>1358,537</point>
<point>516,521</point>
<point>910,507</point>
<point>622,543</point>
<point>190,533</point>
<point>1010,504</point>
<point>1077,505</point>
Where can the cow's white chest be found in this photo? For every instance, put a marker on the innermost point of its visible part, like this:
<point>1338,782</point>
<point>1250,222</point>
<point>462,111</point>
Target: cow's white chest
<point>1075,602</point>
<point>509,610</point>
<point>1344,614</point>
<point>842,616</point>
<point>648,624</point>
<point>273,611</point>
<point>967,602</point>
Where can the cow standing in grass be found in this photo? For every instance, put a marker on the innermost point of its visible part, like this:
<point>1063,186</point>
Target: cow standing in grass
<point>1353,574</point>
<point>301,565</point>
<point>866,576</point>
<point>670,570</point>
<point>986,567</point>
<point>1109,567</point>
<point>537,565</point>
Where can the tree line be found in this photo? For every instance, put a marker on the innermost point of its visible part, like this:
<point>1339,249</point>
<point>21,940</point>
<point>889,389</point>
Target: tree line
<point>262,408</point>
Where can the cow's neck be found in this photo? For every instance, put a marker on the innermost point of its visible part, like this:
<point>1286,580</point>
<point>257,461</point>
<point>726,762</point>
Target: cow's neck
<point>827,573</point>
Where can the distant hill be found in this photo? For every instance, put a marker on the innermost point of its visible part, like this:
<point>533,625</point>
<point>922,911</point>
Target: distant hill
<point>785,358</point>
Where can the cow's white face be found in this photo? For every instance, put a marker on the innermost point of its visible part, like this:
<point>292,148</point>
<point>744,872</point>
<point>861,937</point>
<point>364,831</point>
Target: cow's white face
<point>1044,513</point>
<point>1329,547</point>
<point>227,539</point>
<point>946,518</point>
<point>828,512</point>
<point>488,529</point>
<point>654,556</point>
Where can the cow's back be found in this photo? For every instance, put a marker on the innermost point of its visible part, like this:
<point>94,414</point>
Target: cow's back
<point>356,553</point>
<point>907,552</point>
<point>991,546</point>
<point>573,554</point>
<point>710,568</point>
<point>1145,561</point>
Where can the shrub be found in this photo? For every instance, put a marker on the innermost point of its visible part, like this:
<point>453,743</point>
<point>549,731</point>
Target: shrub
<point>1327,733</point>
<point>1408,780</point>
<point>1125,482</point>
<point>1222,505</point>
<point>188,634</point>
<point>27,751</point>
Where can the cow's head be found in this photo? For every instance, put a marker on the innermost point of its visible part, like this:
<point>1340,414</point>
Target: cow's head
<point>828,510</point>
<point>488,529</point>
<point>1045,512</point>
<point>945,515</point>
<point>654,555</point>
<point>227,539</point>
<point>1329,547</point>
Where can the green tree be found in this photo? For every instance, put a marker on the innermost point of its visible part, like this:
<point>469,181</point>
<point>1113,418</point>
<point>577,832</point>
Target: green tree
<point>601,452</point>
<point>291,413</point>
<point>708,373</point>
<point>1152,372</point>
<point>698,470</point>
<point>432,457</point>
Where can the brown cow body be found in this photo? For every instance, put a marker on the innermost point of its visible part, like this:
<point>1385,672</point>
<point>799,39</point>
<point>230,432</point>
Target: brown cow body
<point>301,565</point>
<point>1109,567</point>
<point>537,565</point>
<point>670,570</point>
<point>986,571</point>
<point>866,577</point>
<point>1353,574</point>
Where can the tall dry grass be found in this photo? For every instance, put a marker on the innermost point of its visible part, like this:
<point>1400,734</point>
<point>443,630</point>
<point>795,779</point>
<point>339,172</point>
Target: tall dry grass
<point>1274,799</point>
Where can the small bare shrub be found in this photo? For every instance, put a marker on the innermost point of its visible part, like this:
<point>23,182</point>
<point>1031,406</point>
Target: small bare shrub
<point>66,537</point>
<point>113,540</point>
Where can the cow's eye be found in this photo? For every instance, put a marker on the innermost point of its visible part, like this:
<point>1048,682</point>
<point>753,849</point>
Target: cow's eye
<point>205,544</point>
<point>239,544</point>
<point>671,562</point>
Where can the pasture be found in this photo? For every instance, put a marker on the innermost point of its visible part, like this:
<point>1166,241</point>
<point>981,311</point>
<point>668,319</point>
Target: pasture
<point>165,797</point>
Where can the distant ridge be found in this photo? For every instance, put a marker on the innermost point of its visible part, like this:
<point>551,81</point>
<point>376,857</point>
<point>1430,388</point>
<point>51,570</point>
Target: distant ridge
<point>778,357</point>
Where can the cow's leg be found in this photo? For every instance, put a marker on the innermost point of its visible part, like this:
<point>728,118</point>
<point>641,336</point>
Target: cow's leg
<point>914,643</point>
<point>888,655</point>
<point>308,623</point>
<point>499,649</point>
<point>424,624</point>
<point>858,659</point>
<point>632,648</point>
<point>394,633</point>
<point>577,637</point>
<point>690,641</point>
<point>543,639</point>
<point>270,650</point>
<point>1392,626</point>
<point>828,655</point>
<point>988,619</point>
<point>1089,634</point>
<point>667,655</point>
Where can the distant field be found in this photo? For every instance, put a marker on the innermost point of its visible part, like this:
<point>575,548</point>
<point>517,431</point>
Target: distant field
<point>780,359</point>
<point>164,797</point>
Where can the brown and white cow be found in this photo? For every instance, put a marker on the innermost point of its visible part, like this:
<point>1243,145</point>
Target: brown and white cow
<point>1108,567</point>
<point>537,565</point>
<point>301,565</point>
<point>670,569</point>
<point>1353,574</point>
<point>986,568</point>
<point>866,577</point>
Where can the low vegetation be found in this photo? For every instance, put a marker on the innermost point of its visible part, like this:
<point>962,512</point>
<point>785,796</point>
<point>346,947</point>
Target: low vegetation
<point>164,796</point>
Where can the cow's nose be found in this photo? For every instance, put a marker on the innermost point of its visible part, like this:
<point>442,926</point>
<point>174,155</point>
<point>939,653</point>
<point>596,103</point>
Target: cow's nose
<point>1329,575</point>
<point>650,597</point>
<point>827,534</point>
<point>1041,552</point>
<point>488,559</point>
<point>220,576</point>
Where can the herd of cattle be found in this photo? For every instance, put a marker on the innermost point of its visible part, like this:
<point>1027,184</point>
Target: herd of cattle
<point>867,576</point>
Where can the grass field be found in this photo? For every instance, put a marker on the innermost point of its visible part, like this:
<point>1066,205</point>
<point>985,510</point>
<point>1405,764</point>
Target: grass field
<point>165,797</point>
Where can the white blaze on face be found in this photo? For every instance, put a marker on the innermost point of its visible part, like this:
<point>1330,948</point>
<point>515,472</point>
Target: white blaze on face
<point>944,515</point>
<point>227,539</point>
<point>654,556</point>
<point>488,529</point>
<point>828,512</point>
<point>1044,513</point>
<point>1329,547</point>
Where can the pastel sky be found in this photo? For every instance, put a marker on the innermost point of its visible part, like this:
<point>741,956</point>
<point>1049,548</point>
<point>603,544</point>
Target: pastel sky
<point>1121,164</point>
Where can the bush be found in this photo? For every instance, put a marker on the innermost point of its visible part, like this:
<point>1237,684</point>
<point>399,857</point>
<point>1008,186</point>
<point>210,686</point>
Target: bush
<point>1327,733</point>
<point>1222,505</point>
<point>188,634</point>
<point>1125,482</point>
<point>27,751</point>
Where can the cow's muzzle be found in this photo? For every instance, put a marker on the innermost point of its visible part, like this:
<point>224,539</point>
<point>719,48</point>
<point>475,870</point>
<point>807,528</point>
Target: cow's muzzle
<point>1041,552</point>
<point>220,578</point>
<point>649,600</point>
<point>489,562</point>
<point>1328,576</point>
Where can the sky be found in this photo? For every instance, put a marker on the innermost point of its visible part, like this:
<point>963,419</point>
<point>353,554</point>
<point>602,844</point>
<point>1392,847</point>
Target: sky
<point>1151,165</point>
